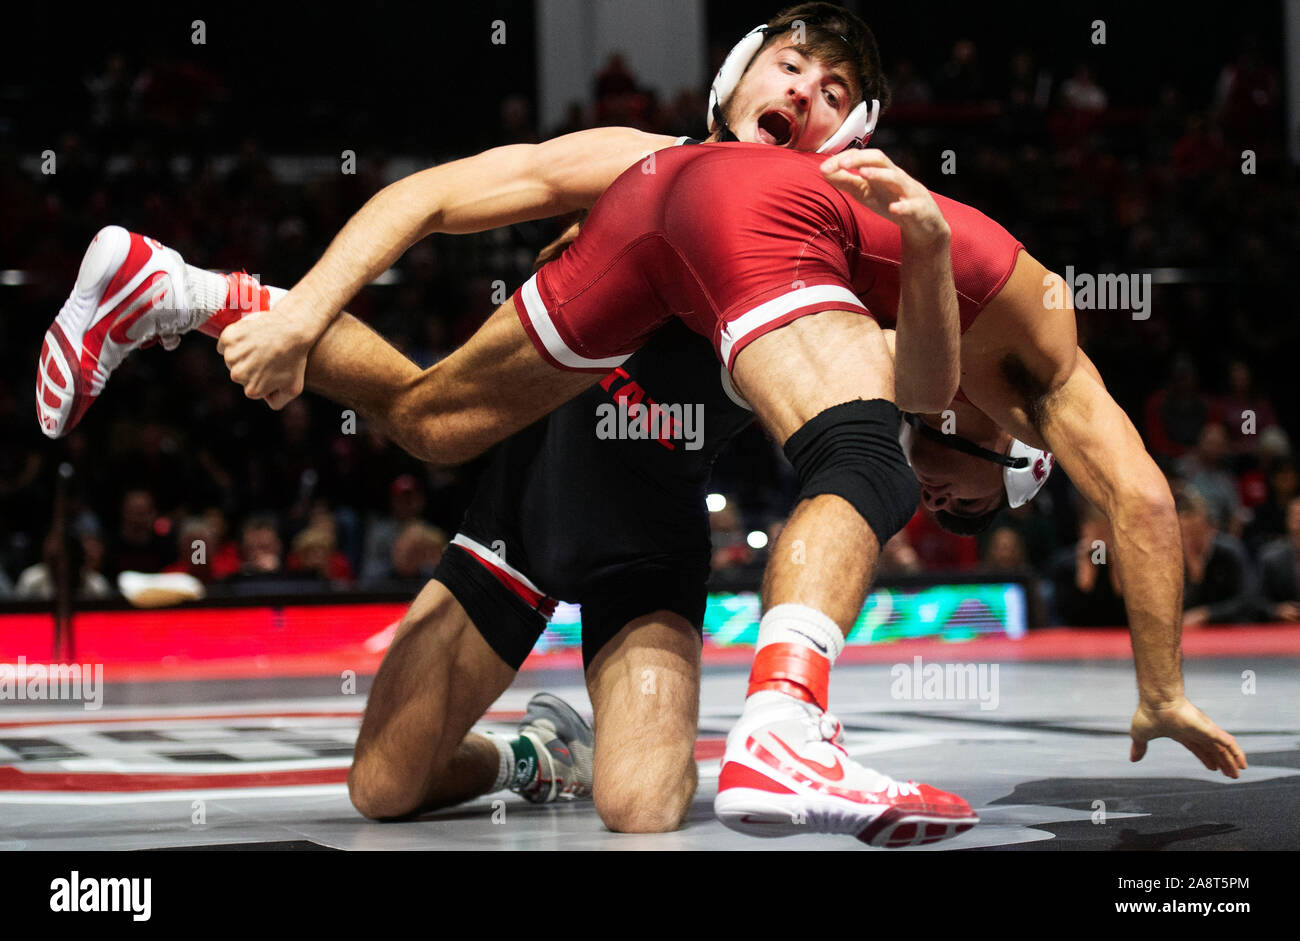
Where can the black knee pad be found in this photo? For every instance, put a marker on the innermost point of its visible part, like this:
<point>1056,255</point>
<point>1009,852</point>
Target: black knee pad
<point>852,451</point>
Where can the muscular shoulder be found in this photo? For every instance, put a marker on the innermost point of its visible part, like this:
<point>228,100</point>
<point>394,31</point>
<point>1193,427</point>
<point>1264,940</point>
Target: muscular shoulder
<point>1023,347</point>
<point>1032,319</point>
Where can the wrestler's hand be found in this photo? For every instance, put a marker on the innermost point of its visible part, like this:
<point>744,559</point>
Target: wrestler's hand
<point>266,353</point>
<point>1196,731</point>
<point>879,184</point>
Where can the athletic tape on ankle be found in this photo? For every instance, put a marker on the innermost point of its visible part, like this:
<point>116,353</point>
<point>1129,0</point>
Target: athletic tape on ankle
<point>792,669</point>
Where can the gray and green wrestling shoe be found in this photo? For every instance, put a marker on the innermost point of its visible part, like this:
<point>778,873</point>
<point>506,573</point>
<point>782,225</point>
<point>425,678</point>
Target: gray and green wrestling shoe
<point>563,743</point>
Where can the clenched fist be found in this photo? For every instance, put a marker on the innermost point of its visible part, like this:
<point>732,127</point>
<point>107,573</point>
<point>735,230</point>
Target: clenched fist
<point>266,353</point>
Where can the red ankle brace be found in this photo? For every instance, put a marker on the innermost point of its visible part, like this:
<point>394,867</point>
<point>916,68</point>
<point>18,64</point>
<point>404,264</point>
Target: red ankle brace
<point>244,295</point>
<point>792,669</point>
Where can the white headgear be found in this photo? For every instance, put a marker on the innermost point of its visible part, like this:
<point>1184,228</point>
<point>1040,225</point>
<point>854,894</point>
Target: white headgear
<point>1025,469</point>
<point>854,132</point>
<point>1024,482</point>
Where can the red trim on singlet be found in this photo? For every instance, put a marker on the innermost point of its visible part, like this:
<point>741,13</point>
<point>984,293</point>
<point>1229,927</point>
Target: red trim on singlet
<point>524,321</point>
<point>997,289</point>
<point>784,320</point>
<point>999,285</point>
<point>539,602</point>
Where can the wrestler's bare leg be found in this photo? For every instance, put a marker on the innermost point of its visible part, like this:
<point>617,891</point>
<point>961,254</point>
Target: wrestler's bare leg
<point>789,376</point>
<point>784,772</point>
<point>494,385</point>
<point>415,752</point>
<point>645,699</point>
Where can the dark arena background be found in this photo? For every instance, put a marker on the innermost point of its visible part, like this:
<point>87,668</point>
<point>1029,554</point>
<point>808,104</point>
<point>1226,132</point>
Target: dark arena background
<point>1144,146</point>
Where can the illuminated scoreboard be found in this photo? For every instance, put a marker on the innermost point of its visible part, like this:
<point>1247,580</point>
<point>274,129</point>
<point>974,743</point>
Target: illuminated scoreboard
<point>946,612</point>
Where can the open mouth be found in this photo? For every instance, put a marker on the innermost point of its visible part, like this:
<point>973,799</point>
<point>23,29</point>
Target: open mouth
<point>775,128</point>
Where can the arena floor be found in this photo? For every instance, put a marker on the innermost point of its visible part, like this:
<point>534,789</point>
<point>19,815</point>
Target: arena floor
<point>261,764</point>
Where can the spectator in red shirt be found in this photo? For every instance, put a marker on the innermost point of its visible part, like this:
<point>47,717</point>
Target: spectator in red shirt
<point>194,547</point>
<point>938,549</point>
<point>223,553</point>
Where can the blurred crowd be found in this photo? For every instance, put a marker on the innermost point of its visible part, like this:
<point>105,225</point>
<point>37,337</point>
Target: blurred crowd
<point>174,471</point>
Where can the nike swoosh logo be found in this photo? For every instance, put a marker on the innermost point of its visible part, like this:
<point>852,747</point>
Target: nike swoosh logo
<point>833,772</point>
<point>821,647</point>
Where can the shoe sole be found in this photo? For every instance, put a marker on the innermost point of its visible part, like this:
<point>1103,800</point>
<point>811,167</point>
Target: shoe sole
<point>60,386</point>
<point>770,814</point>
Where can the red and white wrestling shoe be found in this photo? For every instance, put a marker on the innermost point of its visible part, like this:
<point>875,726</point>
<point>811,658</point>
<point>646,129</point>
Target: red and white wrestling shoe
<point>130,290</point>
<point>786,772</point>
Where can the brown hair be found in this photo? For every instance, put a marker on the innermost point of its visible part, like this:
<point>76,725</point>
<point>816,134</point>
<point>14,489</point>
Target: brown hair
<point>835,37</point>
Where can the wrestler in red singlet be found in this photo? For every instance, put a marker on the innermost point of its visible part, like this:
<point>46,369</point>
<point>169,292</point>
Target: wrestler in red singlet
<point>735,240</point>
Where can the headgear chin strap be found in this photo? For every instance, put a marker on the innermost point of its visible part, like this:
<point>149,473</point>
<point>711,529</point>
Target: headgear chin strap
<point>1025,469</point>
<point>854,132</point>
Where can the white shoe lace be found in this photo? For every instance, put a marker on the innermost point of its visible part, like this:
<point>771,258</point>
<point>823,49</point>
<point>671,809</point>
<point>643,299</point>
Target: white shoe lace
<point>829,729</point>
<point>171,323</point>
<point>835,734</point>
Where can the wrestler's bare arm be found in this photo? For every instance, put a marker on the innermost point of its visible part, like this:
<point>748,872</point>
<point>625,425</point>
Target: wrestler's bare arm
<point>1023,369</point>
<point>928,337</point>
<point>498,187</point>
